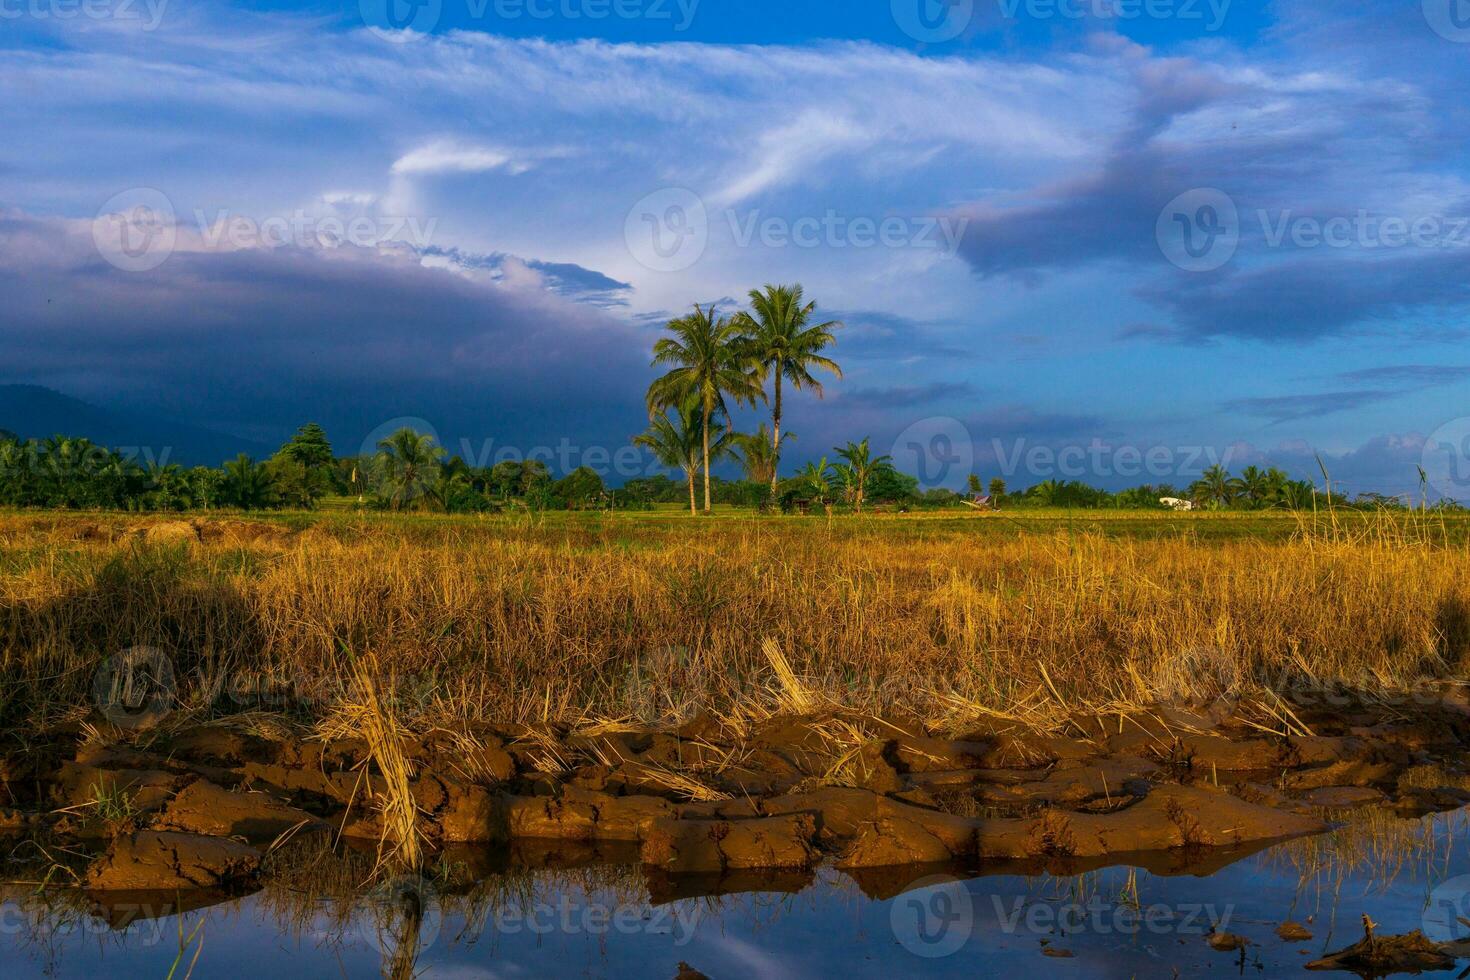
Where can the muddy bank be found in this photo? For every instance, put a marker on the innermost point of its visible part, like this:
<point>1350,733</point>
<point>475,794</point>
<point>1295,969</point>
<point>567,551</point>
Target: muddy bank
<point>195,807</point>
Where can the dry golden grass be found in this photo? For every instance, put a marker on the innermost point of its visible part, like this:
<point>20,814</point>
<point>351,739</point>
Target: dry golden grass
<point>654,621</point>
<point>368,713</point>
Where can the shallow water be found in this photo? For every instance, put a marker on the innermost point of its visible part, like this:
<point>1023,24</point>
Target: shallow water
<point>597,921</point>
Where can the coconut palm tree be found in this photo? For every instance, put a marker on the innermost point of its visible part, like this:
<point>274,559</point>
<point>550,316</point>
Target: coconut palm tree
<point>816,479</point>
<point>675,439</point>
<point>1253,485</point>
<point>1276,483</point>
<point>1047,493</point>
<point>1298,494</point>
<point>787,346</point>
<point>711,362</point>
<point>858,469</point>
<point>409,463</point>
<point>247,484</point>
<point>759,455</point>
<point>1214,487</point>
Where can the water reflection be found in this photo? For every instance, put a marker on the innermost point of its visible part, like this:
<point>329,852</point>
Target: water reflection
<point>553,910</point>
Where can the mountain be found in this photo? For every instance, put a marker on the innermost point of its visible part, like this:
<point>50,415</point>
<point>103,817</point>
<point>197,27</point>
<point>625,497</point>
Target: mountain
<point>34,412</point>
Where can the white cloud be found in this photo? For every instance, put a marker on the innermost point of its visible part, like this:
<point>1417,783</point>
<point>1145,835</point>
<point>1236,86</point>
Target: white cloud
<point>445,156</point>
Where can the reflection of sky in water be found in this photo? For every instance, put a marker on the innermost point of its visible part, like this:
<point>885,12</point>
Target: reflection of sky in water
<point>829,929</point>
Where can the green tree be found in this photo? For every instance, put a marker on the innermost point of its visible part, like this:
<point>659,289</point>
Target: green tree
<point>1276,482</point>
<point>1252,486</point>
<point>785,343</point>
<point>1298,494</point>
<point>997,491</point>
<point>759,456</point>
<point>887,484</point>
<point>309,447</point>
<point>675,437</point>
<point>247,485</point>
<point>857,470</point>
<point>409,463</point>
<point>206,486</point>
<point>302,469</point>
<point>504,479</point>
<point>1214,487</point>
<point>711,362</point>
<point>815,479</point>
<point>168,488</point>
<point>581,488</point>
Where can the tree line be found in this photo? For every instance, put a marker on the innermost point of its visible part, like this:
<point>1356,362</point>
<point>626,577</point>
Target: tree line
<point>713,362</point>
<point>411,472</point>
<point>408,471</point>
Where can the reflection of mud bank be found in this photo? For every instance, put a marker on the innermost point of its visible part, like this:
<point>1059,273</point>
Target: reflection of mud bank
<point>194,808</point>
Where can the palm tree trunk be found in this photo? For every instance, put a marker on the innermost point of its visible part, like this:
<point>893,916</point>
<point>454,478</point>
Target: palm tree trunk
<point>706,459</point>
<point>690,474</point>
<point>776,436</point>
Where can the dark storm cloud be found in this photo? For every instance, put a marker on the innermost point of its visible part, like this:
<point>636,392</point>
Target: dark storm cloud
<point>1288,408</point>
<point>1323,295</point>
<point>908,396</point>
<point>1409,375</point>
<point>1109,214</point>
<point>1308,152</point>
<point>872,334</point>
<point>257,341</point>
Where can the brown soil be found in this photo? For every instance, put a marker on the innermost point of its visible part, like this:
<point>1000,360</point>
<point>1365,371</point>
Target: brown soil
<point>148,859</point>
<point>710,799</point>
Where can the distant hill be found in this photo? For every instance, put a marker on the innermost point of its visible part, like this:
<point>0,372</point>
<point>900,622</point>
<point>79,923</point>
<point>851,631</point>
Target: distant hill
<point>34,412</point>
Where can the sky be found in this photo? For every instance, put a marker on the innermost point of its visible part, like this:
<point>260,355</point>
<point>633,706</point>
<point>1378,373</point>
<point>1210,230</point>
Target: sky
<point>1107,240</point>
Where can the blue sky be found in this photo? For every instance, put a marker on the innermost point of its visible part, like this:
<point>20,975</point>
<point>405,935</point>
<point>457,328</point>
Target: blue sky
<point>1111,240</point>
